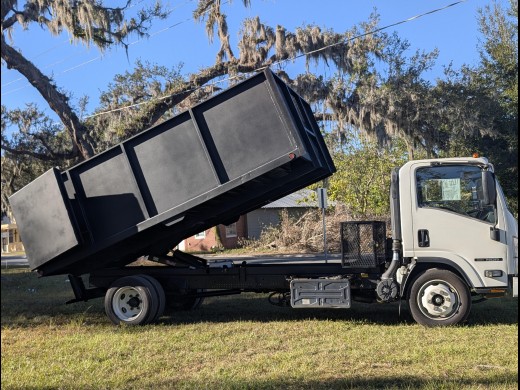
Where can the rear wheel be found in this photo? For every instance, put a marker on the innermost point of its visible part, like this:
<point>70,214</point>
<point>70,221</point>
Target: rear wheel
<point>131,300</point>
<point>161,297</point>
<point>439,298</point>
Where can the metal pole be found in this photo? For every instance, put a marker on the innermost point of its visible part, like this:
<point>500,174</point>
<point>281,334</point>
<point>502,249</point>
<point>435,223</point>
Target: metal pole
<point>322,203</point>
<point>324,235</point>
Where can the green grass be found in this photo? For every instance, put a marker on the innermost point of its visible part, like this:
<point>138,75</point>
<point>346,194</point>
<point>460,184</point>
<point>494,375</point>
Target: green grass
<point>243,342</point>
<point>16,253</point>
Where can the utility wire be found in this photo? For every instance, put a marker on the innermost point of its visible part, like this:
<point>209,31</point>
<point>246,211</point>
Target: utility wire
<point>254,71</point>
<point>39,55</point>
<point>98,57</point>
<point>342,42</point>
<point>372,32</point>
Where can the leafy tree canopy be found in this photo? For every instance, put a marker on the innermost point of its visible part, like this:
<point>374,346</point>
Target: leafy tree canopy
<point>374,94</point>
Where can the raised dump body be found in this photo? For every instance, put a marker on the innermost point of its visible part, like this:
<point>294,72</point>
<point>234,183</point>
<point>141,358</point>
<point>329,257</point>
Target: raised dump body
<point>237,151</point>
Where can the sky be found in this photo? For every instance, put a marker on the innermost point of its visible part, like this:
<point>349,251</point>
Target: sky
<point>85,71</point>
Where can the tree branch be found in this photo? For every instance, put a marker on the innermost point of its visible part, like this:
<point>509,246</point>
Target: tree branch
<point>155,110</point>
<point>39,156</point>
<point>9,22</point>
<point>7,6</point>
<point>58,102</point>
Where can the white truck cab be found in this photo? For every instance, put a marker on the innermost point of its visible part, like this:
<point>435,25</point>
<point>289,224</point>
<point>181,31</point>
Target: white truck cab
<point>455,228</point>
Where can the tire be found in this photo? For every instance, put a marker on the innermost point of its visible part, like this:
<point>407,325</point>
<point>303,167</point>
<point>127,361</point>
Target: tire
<point>161,297</point>
<point>185,303</point>
<point>131,300</point>
<point>439,298</point>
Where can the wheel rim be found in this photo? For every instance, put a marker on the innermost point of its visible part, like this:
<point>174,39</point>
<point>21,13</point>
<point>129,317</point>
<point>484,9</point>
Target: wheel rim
<point>127,303</point>
<point>438,300</point>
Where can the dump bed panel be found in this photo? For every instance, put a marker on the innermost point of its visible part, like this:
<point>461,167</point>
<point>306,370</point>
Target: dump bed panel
<point>247,146</point>
<point>44,218</point>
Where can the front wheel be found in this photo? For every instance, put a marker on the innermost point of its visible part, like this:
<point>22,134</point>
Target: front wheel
<point>439,298</point>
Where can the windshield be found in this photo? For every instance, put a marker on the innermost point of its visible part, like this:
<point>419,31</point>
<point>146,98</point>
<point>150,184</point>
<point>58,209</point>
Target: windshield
<point>455,188</point>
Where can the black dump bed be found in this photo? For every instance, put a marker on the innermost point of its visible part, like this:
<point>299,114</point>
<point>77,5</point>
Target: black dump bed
<point>237,151</point>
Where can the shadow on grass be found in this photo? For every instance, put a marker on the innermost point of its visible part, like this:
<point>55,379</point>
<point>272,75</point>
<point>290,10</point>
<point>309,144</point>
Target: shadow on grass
<point>15,267</point>
<point>255,307</point>
<point>27,299</point>
<point>408,382</point>
<point>353,382</point>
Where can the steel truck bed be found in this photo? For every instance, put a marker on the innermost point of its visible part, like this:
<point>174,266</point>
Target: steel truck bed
<point>245,147</point>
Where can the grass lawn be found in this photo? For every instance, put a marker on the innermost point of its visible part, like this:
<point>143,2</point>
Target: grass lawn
<point>243,342</point>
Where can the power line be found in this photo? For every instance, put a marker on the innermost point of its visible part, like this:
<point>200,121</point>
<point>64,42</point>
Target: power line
<point>372,32</point>
<point>342,42</point>
<point>36,56</point>
<point>98,57</point>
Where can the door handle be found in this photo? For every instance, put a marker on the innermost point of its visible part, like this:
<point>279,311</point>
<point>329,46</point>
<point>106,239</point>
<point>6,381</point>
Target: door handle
<point>424,238</point>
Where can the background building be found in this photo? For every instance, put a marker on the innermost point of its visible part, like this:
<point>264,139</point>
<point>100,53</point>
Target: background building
<point>251,225</point>
<point>11,241</point>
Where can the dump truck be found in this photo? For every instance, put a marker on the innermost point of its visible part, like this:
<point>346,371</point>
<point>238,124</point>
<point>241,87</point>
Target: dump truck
<point>453,241</point>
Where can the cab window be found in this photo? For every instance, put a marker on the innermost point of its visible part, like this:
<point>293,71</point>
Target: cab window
<point>454,188</point>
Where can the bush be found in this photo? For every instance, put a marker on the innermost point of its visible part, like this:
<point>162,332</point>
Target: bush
<point>304,234</point>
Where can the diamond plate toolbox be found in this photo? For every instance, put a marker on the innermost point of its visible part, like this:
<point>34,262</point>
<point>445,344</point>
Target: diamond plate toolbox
<point>326,293</point>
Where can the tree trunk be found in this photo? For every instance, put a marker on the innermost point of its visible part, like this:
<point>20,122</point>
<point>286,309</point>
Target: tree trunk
<point>409,146</point>
<point>57,101</point>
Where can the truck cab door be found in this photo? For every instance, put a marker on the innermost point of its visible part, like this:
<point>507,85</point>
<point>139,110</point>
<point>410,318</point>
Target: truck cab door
<point>451,220</point>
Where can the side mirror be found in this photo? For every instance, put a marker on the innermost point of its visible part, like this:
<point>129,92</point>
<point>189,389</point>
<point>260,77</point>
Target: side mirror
<point>489,188</point>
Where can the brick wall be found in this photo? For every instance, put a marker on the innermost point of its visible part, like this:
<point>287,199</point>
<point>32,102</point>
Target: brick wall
<point>228,237</point>
<point>227,234</point>
<point>201,244</point>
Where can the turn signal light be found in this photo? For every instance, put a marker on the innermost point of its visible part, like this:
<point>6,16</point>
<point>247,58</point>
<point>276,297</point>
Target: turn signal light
<point>493,273</point>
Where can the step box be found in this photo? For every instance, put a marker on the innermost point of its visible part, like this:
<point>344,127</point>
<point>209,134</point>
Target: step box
<point>320,293</point>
